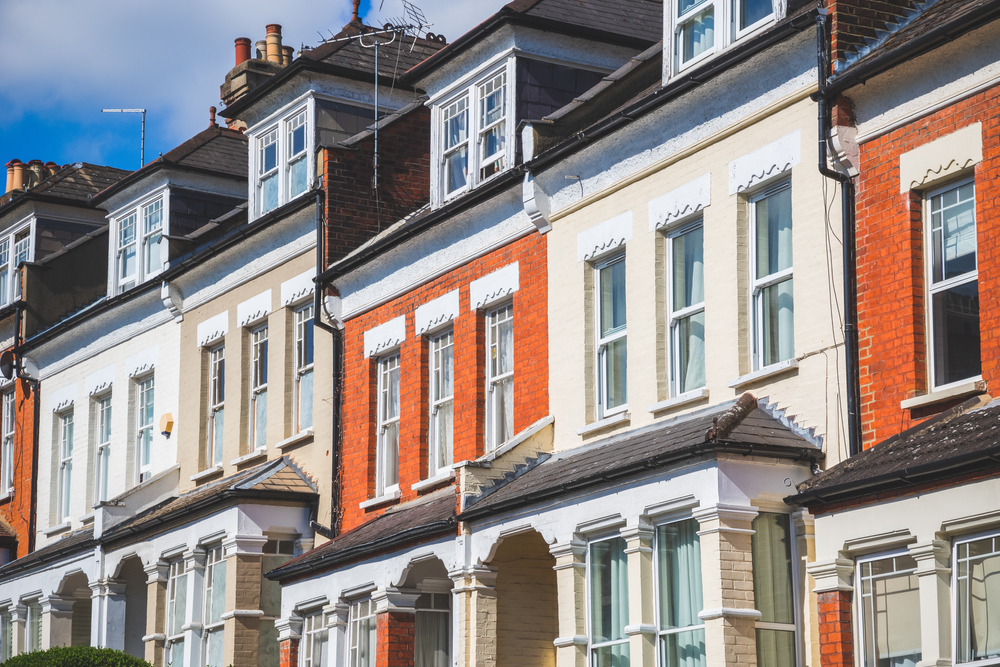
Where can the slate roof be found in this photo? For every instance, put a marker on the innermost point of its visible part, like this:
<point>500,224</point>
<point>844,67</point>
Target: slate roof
<point>740,427</point>
<point>280,478</point>
<point>215,149</point>
<point>430,516</point>
<point>73,183</point>
<point>394,59</point>
<point>964,438</point>
<point>73,543</point>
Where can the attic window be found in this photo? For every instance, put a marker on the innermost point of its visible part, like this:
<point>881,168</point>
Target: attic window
<point>704,27</point>
<point>139,248</point>
<point>279,165</point>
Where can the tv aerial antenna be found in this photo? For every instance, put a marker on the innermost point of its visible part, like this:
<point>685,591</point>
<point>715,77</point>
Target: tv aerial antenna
<point>142,141</point>
<point>415,23</point>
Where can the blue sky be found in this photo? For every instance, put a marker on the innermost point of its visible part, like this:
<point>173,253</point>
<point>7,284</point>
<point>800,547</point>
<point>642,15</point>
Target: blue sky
<point>65,60</point>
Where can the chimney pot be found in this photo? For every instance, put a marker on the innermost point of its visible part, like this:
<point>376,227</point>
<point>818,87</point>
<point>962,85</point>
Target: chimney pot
<point>287,55</point>
<point>357,8</point>
<point>17,180</point>
<point>242,50</point>
<point>211,116</point>
<point>51,168</point>
<point>37,173</point>
<point>10,176</point>
<point>261,45</point>
<point>274,43</point>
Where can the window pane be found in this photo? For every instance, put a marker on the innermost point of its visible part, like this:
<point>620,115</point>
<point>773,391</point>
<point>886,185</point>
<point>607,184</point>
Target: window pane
<point>445,421</point>
<point>953,223</point>
<point>177,654</point>
<point>214,649</point>
<point>218,605</point>
<point>698,35</point>
<point>684,649</point>
<point>456,123</point>
<point>772,567</point>
<point>608,591</point>
<point>306,400</point>
<point>269,152</point>
<point>260,420</point>
<point>678,551</point>
<point>297,135</point>
<point>180,604</point>
<point>689,272</point>
<point>773,218</point>
<point>269,193</point>
<point>978,635</point>
<point>217,430</point>
<point>297,177</point>
<point>752,11</point>
<point>432,642</point>
<point>778,313</point>
<point>616,373</point>
<point>456,169</point>
<point>690,333</point>
<point>776,648</point>
<point>612,279</point>
<point>616,655</point>
<point>890,612</point>
<point>955,324</point>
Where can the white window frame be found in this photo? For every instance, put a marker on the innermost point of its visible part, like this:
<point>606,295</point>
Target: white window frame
<point>603,343</point>
<point>476,129</point>
<point>280,123</point>
<point>305,351</point>
<point>33,626</point>
<point>214,557</point>
<point>22,250</point>
<point>438,343</point>
<point>102,449</point>
<point>216,404</point>
<point>178,569</point>
<point>859,603</point>
<point>726,27</point>
<point>8,432</point>
<point>995,535</point>
<point>757,285</point>
<point>432,609</point>
<point>144,467</point>
<point>590,597</point>
<point>6,634</point>
<point>361,610</point>
<point>139,211</point>
<point>65,423</point>
<point>257,387</point>
<point>313,630</point>
<point>675,318</point>
<point>387,364</point>
<point>660,633</point>
<point>796,626</point>
<point>6,271</point>
<point>494,383</point>
<point>949,283</point>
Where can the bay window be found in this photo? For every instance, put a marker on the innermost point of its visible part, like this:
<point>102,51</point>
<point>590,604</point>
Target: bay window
<point>144,394</point>
<point>152,234</point>
<point>608,579</point>
<point>432,643</point>
<point>139,250</point>
<point>771,273</point>
<point>361,644</point>
<point>175,613</point>
<point>258,389</point>
<point>303,390</point>
<point>280,163</point>
<point>65,483</point>
<point>216,404</point>
<point>499,376</point>
<point>442,392</point>
<point>889,607</point>
<point>102,409</point>
<point>686,308</point>
<point>612,356</point>
<point>127,262</point>
<point>474,145</point>
<point>954,284</point>
<point>773,589</point>
<point>7,445</point>
<point>313,650</point>
<point>977,600</point>
<point>679,595</point>
<point>215,606</point>
<point>387,451</point>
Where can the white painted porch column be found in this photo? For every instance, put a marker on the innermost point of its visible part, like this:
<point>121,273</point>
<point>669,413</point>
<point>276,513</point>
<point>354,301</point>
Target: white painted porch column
<point>934,578</point>
<point>474,604</point>
<point>107,629</point>
<point>336,626</point>
<point>19,620</point>
<point>195,567</point>
<point>57,621</point>
<point>641,628</point>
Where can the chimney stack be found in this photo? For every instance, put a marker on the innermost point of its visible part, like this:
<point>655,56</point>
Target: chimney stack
<point>287,55</point>
<point>37,175</point>
<point>274,43</point>
<point>51,168</point>
<point>242,50</point>
<point>17,180</point>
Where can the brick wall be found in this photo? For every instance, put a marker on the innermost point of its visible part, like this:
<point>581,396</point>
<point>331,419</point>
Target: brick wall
<point>289,653</point>
<point>854,21</point>
<point>354,214</point>
<point>360,373</point>
<point>835,632</point>
<point>16,509</point>
<point>890,241</point>
<point>395,633</point>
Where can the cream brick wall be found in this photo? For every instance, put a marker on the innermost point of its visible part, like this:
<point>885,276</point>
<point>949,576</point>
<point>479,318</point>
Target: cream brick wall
<point>526,602</point>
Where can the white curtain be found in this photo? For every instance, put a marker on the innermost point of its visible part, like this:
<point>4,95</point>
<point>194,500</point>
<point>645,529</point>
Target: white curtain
<point>985,598</point>
<point>609,599</point>
<point>680,594</point>
<point>432,639</point>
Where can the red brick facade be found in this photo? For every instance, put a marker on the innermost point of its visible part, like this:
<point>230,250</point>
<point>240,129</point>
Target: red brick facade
<point>836,635</point>
<point>395,638</point>
<point>360,373</point>
<point>855,21</point>
<point>16,509</point>
<point>891,276</point>
<point>288,652</point>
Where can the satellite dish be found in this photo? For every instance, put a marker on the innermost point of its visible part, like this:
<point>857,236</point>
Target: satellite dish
<point>7,364</point>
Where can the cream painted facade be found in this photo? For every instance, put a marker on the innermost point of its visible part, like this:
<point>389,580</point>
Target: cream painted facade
<point>810,389</point>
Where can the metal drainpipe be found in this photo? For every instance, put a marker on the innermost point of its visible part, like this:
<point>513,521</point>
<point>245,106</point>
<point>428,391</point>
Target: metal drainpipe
<point>336,338</point>
<point>823,46</point>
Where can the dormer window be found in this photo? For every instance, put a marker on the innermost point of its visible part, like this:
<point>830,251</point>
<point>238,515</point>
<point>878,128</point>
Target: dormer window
<point>474,145</point>
<point>280,168</point>
<point>22,253</point>
<point>704,27</point>
<point>139,251</point>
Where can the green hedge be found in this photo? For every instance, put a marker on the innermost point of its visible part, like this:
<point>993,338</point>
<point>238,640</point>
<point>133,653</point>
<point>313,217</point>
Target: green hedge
<point>76,656</point>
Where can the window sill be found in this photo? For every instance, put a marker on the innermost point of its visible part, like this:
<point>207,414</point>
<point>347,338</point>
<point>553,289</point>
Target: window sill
<point>680,400</point>
<point>88,519</point>
<point>299,437</point>
<point>384,499</point>
<point>205,474</point>
<point>252,456</point>
<point>436,480</point>
<point>607,422</point>
<point>55,530</point>
<point>947,394</point>
<point>766,372</point>
<point>6,495</point>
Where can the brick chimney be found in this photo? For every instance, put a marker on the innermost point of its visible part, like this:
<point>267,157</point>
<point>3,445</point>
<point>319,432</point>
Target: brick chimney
<point>854,22</point>
<point>269,59</point>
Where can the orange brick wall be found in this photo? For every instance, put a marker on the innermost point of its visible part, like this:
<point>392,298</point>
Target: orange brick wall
<point>890,242</point>
<point>288,652</point>
<point>395,639</point>
<point>835,633</point>
<point>360,379</point>
<point>16,509</point>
